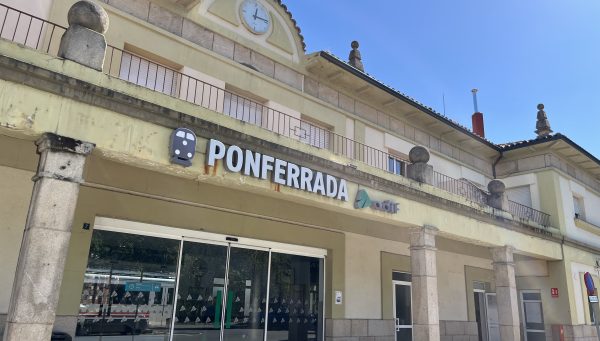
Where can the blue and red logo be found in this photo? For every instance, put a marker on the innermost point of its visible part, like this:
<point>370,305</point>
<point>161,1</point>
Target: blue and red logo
<point>589,284</point>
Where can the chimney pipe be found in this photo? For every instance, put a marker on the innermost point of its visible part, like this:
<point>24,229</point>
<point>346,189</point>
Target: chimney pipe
<point>477,118</point>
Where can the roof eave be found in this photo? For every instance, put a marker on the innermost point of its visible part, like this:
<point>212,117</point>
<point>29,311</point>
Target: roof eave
<point>346,67</point>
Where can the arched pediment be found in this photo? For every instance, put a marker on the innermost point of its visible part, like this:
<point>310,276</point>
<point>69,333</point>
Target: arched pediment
<point>282,39</point>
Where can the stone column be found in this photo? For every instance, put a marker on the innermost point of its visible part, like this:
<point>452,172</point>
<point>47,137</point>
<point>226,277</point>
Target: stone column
<point>83,42</point>
<point>46,238</point>
<point>419,170</point>
<point>506,293</point>
<point>426,318</point>
<point>498,198</point>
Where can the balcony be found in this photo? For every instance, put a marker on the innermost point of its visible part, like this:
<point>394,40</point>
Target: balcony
<point>42,35</point>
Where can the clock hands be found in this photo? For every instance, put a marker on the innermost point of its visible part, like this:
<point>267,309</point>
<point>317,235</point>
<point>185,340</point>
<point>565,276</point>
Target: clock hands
<point>255,16</point>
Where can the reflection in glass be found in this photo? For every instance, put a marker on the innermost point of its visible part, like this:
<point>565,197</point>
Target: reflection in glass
<point>128,287</point>
<point>403,305</point>
<point>246,295</point>
<point>295,298</point>
<point>200,292</point>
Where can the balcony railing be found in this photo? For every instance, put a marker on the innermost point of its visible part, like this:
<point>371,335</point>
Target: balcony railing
<point>461,187</point>
<point>40,34</point>
<point>29,30</point>
<point>139,70</point>
<point>472,192</point>
<point>526,212</point>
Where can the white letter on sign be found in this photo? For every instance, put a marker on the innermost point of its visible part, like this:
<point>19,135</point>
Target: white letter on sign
<point>216,151</point>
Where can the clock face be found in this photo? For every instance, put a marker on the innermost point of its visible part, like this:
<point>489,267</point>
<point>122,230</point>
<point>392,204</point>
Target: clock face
<point>255,16</point>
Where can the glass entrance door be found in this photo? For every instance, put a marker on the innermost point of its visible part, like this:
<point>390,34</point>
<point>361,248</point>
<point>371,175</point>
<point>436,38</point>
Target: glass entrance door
<point>493,321</point>
<point>128,288</point>
<point>533,316</point>
<point>140,288</point>
<point>221,294</point>
<point>402,306</point>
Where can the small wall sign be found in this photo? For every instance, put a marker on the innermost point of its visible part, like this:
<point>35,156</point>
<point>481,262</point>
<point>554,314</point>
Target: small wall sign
<point>338,297</point>
<point>554,292</point>
<point>182,146</point>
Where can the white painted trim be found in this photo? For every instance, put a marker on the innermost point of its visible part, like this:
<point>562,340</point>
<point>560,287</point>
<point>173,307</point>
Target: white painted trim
<point>396,325</point>
<point>131,227</point>
<point>576,269</point>
<point>523,322</point>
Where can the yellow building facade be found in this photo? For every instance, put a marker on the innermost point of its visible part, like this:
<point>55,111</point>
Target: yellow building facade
<point>185,170</point>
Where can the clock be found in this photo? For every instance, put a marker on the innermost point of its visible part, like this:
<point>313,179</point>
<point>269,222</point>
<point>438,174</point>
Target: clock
<point>255,16</point>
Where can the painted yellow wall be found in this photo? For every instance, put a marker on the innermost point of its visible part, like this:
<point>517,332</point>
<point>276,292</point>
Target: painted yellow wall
<point>144,144</point>
<point>15,193</point>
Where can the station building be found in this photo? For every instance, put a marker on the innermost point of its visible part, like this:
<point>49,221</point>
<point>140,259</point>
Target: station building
<point>186,170</point>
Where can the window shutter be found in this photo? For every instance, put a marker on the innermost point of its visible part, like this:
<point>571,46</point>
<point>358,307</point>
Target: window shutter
<point>521,195</point>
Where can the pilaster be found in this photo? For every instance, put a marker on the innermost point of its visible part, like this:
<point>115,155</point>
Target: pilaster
<point>46,238</point>
<point>425,305</point>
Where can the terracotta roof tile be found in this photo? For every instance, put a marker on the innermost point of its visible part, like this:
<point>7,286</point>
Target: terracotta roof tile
<point>280,3</point>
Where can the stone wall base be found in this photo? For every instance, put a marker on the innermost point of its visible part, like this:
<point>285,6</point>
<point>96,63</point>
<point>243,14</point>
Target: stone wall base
<point>3,318</point>
<point>458,330</point>
<point>359,330</point>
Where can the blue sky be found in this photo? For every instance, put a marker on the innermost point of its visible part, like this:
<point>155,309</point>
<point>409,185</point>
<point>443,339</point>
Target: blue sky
<point>518,53</point>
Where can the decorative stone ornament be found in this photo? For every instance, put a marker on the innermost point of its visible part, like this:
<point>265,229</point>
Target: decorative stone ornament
<point>418,154</point>
<point>542,126</point>
<point>419,170</point>
<point>182,147</point>
<point>89,15</point>
<point>355,58</point>
<point>84,41</point>
<point>497,198</point>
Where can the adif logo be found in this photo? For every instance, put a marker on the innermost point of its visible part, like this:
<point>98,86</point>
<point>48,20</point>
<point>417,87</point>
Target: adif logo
<point>363,200</point>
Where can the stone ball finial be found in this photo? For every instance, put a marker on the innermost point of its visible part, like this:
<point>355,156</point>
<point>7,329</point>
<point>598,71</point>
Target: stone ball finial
<point>354,44</point>
<point>418,154</point>
<point>496,187</point>
<point>88,14</point>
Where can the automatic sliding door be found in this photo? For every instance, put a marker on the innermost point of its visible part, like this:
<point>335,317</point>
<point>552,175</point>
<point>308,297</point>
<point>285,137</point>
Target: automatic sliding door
<point>246,295</point>
<point>200,291</point>
<point>142,288</point>
<point>128,288</point>
<point>295,298</point>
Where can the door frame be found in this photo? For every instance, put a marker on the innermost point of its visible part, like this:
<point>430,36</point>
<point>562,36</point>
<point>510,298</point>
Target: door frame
<point>522,304</point>
<point>484,322</point>
<point>152,230</point>
<point>396,326</point>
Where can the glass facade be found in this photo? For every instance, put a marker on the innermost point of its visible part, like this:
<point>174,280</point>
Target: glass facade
<point>146,288</point>
<point>128,286</point>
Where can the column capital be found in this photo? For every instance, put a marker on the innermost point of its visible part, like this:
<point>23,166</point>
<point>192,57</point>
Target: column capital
<point>58,143</point>
<point>423,237</point>
<point>503,254</point>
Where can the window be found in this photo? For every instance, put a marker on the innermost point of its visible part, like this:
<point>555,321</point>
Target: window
<point>533,315</point>
<point>243,109</point>
<point>315,134</point>
<point>520,195</point>
<point>395,166</point>
<point>148,74</point>
<point>578,207</point>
